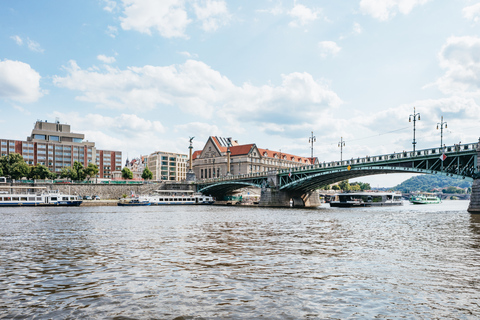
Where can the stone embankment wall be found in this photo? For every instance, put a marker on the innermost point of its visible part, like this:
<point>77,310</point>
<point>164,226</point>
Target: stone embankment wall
<point>110,191</point>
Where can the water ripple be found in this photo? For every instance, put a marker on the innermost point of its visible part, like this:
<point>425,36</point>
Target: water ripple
<point>200,262</point>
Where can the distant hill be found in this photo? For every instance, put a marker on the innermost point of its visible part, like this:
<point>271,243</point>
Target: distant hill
<point>428,182</point>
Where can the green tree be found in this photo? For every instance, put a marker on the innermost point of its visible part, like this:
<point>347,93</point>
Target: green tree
<point>91,170</point>
<point>66,172</point>
<point>1,171</point>
<point>147,174</point>
<point>14,166</point>
<point>344,185</point>
<point>335,187</point>
<point>39,172</point>
<point>355,187</point>
<point>79,171</point>
<point>127,173</point>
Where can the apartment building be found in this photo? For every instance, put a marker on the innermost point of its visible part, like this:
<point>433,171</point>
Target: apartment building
<point>53,144</point>
<point>168,166</point>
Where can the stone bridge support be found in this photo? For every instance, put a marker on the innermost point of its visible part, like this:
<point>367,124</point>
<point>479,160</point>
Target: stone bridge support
<point>271,196</point>
<point>474,206</point>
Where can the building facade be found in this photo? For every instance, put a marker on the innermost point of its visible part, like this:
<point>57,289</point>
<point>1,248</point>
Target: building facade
<point>53,145</point>
<point>168,166</point>
<point>212,160</point>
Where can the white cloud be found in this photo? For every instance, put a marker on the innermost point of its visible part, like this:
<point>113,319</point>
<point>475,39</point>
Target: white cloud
<point>303,15</point>
<point>276,10</point>
<point>112,31</point>
<point>460,57</point>
<point>34,46</point>
<point>22,110</point>
<point>106,59</point>
<point>357,28</point>
<point>196,89</point>
<point>385,9</point>
<point>19,82</point>
<point>328,48</point>
<point>472,12</point>
<point>110,5</point>
<point>212,14</point>
<point>168,17</point>
<point>188,54</point>
<point>17,40</point>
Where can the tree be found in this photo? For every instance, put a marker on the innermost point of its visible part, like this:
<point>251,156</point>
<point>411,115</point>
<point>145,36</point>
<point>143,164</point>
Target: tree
<point>79,171</point>
<point>147,174</point>
<point>1,171</point>
<point>91,170</point>
<point>344,185</point>
<point>335,187</point>
<point>127,173</point>
<point>355,187</point>
<point>39,172</point>
<point>14,166</point>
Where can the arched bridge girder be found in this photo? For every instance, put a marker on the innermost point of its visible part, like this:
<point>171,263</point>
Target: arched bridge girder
<point>305,181</point>
<point>225,187</point>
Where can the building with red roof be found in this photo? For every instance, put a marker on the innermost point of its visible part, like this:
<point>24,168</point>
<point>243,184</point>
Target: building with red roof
<point>211,161</point>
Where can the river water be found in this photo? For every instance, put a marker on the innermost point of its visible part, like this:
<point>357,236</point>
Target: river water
<point>214,262</point>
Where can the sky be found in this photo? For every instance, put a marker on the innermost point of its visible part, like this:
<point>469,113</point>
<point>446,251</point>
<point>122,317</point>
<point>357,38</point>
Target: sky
<point>140,76</point>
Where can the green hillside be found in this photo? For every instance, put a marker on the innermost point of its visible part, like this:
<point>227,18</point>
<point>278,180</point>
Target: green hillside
<point>428,182</point>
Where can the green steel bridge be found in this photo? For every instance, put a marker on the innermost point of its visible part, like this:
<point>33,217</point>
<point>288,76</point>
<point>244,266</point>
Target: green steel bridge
<point>460,162</point>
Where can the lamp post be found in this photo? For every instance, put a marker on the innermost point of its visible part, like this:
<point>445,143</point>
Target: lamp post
<point>341,144</point>
<point>441,123</point>
<point>414,116</point>
<point>311,140</point>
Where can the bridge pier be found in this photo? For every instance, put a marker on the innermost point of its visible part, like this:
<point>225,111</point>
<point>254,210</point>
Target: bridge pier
<point>271,197</point>
<point>474,206</point>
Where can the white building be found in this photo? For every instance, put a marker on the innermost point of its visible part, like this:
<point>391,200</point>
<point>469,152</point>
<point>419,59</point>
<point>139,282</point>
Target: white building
<point>168,166</point>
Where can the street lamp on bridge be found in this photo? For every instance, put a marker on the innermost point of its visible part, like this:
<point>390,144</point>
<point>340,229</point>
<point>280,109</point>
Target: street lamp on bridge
<point>441,123</point>
<point>341,144</point>
<point>414,116</point>
<point>311,140</point>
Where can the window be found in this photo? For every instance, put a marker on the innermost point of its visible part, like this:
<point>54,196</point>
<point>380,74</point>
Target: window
<point>79,140</point>
<point>54,138</point>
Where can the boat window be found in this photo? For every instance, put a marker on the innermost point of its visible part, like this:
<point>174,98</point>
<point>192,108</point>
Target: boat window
<point>8,199</point>
<point>23,198</point>
<point>31,198</point>
<point>39,198</point>
<point>53,198</point>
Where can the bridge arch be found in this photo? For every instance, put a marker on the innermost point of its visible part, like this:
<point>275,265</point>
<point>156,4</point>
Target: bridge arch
<point>226,187</point>
<point>307,182</point>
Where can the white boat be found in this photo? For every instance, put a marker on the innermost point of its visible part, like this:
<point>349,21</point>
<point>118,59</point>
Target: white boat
<point>39,198</point>
<point>366,199</point>
<point>424,198</point>
<point>161,197</point>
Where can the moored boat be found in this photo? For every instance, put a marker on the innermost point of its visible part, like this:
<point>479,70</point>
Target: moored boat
<point>134,202</point>
<point>366,199</point>
<point>178,197</point>
<point>425,198</point>
<point>38,198</point>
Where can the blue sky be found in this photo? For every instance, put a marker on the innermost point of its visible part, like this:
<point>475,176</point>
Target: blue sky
<point>145,75</point>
